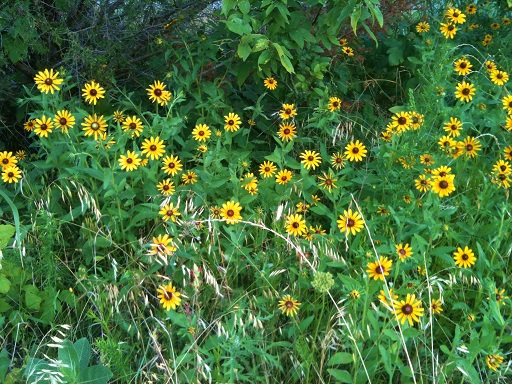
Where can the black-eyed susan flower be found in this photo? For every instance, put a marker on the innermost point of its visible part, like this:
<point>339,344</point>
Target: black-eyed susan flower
<point>408,310</point>
<point>202,148</point>
<point>283,177</point>
<point>310,159</point>
<point>215,212</point>
<point>350,222</point>
<point>501,166</point>
<point>422,184</point>
<point>189,178</point>
<point>446,143</point>
<point>334,104</point>
<point>422,27</point>
<point>119,117</point>
<point>232,122</point>
<point>48,81</point>
<point>7,159</point>
<point>448,30</point>
<point>94,126</point>
<point>327,181</point>
<point>162,246</point>
<point>230,211</point>
<point>499,296</point>
<point>93,92</point>
<point>443,186</point>
<point>417,120</point>
<point>267,169</point>
<point>401,121</point>
<point>387,298</point>
<point>354,294</point>
<point>427,159</point>
<point>403,251</point>
<point>287,131</point>
<point>169,296</point>
<point>471,146</point>
<point>453,127</point>
<point>166,187</point>
<point>250,183</point>
<point>295,225</point>
<point>464,258</point>
<point>20,155</point>
<point>30,125</point>
<point>288,305</point>
<point>383,210</point>
<point>43,127</point>
<point>455,16</point>
<point>337,160</point>
<point>288,111</point>
<point>462,66</point>
<point>378,269</point>
<point>158,94</point>
<point>491,66</point>
<point>172,165</point>
<point>169,212</point>
<point>154,148</point>
<point>270,83</point>
<point>348,51</point>
<point>499,77</point>
<point>317,230</point>
<point>508,153</point>
<point>64,120</point>
<point>487,40</point>
<point>436,306</point>
<point>130,162</point>
<point>508,123</point>
<point>494,361</point>
<point>201,132</point>
<point>495,25</point>
<point>355,151</point>
<point>11,174</point>
<point>507,103</point>
<point>471,9</point>
<point>465,91</point>
<point>133,125</point>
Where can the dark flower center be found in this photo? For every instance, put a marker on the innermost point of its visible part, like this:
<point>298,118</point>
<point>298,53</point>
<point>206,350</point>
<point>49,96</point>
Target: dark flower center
<point>402,120</point>
<point>168,295</point>
<point>44,127</point>
<point>201,133</point>
<point>469,147</point>
<point>465,91</point>
<point>133,126</point>
<point>93,92</point>
<point>289,304</point>
<point>423,182</point>
<point>498,297</point>
<point>454,127</point>
<point>442,173</point>
<point>328,182</point>
<point>95,126</point>
<point>171,165</point>
<point>503,168</point>
<point>231,122</point>
<point>63,121</point>
<point>380,269</point>
<point>129,160</point>
<point>434,306</point>
<point>288,111</point>
<point>166,187</point>
<point>402,251</point>
<point>286,131</point>
<point>464,257</point>
<point>451,28</point>
<point>455,15</point>
<point>339,160</point>
<point>5,160</point>
<point>267,169</point>
<point>499,76</point>
<point>502,176</point>
<point>295,225</point>
<point>48,81</point>
<point>10,175</point>
<point>311,158</point>
<point>152,147</point>
<point>335,104</point>
<point>157,92</point>
<point>350,223</point>
<point>443,184</point>
<point>170,212</point>
<point>407,309</point>
<point>230,213</point>
<point>355,150</point>
<point>284,178</point>
<point>462,65</point>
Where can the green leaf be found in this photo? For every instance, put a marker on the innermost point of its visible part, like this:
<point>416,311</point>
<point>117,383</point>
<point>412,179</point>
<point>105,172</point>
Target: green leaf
<point>227,5</point>
<point>96,374</point>
<point>238,26</point>
<point>354,18</point>
<point>342,376</point>
<point>83,351</point>
<point>306,322</point>
<point>5,284</point>
<point>244,49</point>
<point>32,298</point>
<point>287,64</point>
<point>68,356</point>
<point>244,6</point>
<point>341,358</point>
<point>6,232</point>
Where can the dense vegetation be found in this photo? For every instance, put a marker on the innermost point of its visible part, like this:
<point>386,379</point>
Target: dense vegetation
<point>265,191</point>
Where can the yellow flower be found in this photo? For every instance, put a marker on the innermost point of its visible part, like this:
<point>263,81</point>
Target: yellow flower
<point>403,251</point>
<point>270,83</point>
<point>7,159</point>
<point>499,77</point>
<point>130,162</point>
<point>494,361</point>
<point>422,27</point>
<point>453,127</point>
<point>64,120</point>
<point>422,184</point>
<point>93,92</point>
<point>11,174</point>
<point>30,125</point>
<point>387,299</point>
<point>47,81</point>
<point>154,148</point>
<point>288,111</point>
<point>283,176</point>
<point>455,16</point>
<point>499,295</point>
<point>355,151</point>
<point>337,160</point>
<point>443,185</point>
<point>295,225</point>
<point>287,131</point>
<point>327,181</point>
<point>267,169</point>
<point>350,222</point>
<point>169,212</point>
<point>162,246</point>
<point>189,178</point>
<point>409,309</point>
<point>232,122</point>
<point>230,211</point>
<point>169,297</point>
<point>44,126</point>
<point>201,132</point>
<point>448,30</point>
<point>465,91</point>
<point>462,67</point>
<point>158,94</point>
<point>133,125</point>
<point>94,125</point>
<point>464,258</point>
<point>166,187</point>
<point>348,51</point>
<point>172,165</point>
<point>379,269</point>
<point>334,104</point>
<point>289,306</point>
<point>310,159</point>
<point>436,306</point>
<point>471,146</point>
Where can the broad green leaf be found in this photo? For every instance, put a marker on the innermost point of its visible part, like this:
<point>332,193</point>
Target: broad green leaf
<point>83,351</point>
<point>340,375</point>
<point>244,50</point>
<point>6,232</point>
<point>341,358</point>
<point>238,26</point>
<point>228,5</point>
<point>32,298</point>
<point>96,374</point>
<point>354,18</point>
